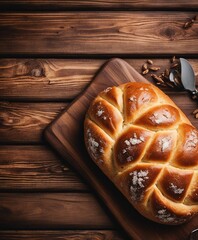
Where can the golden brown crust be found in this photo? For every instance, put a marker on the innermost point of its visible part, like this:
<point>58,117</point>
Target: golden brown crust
<point>159,117</point>
<point>130,146</point>
<point>174,183</point>
<point>187,153</point>
<point>161,148</point>
<point>148,148</point>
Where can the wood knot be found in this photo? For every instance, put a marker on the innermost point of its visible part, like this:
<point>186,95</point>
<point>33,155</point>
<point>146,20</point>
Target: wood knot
<point>170,32</point>
<point>35,68</point>
<point>6,120</point>
<point>37,72</point>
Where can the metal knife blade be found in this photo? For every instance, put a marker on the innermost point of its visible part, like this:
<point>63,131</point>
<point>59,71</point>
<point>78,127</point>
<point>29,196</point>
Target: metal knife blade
<point>188,76</point>
<point>194,235</point>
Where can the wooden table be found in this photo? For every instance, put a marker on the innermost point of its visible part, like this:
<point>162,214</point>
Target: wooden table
<point>50,51</point>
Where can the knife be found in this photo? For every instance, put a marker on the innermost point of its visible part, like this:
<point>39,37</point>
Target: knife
<point>188,78</point>
<point>194,235</point>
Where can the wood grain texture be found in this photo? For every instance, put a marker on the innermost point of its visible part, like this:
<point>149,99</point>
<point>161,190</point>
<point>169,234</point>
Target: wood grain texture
<point>52,211</point>
<point>45,79</point>
<point>58,79</point>
<point>25,122</point>
<point>96,4</point>
<point>97,33</point>
<point>61,235</point>
<point>66,136</point>
<point>36,168</point>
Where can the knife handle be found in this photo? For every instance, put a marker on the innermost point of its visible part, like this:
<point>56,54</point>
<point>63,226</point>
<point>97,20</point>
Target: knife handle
<point>195,94</point>
<point>194,234</point>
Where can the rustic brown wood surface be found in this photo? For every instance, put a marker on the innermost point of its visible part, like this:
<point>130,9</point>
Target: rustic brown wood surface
<point>61,235</point>
<point>97,33</point>
<point>25,122</point>
<point>49,210</point>
<point>36,168</point>
<point>50,52</point>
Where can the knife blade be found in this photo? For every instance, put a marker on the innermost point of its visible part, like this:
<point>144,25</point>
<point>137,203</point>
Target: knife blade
<point>194,235</point>
<point>188,77</point>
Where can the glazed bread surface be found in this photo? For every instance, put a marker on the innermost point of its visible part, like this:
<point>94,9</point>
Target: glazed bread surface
<point>148,148</point>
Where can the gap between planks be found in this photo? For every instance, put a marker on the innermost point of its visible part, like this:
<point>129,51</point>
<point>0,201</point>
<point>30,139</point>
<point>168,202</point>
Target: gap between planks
<point>90,5</point>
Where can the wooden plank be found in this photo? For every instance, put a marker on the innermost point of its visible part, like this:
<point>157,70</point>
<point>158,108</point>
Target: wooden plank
<point>97,4</point>
<point>36,168</point>
<point>61,235</point>
<point>25,122</point>
<point>45,79</point>
<point>97,33</point>
<point>52,211</point>
<point>57,79</point>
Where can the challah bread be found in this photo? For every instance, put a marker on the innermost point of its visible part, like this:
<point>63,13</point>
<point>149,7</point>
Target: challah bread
<point>148,148</point>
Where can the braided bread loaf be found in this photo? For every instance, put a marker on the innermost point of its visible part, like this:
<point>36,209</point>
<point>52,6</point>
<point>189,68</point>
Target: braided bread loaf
<point>148,148</point>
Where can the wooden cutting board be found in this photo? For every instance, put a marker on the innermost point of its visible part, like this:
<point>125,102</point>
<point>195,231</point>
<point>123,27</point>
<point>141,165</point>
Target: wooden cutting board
<point>66,136</point>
